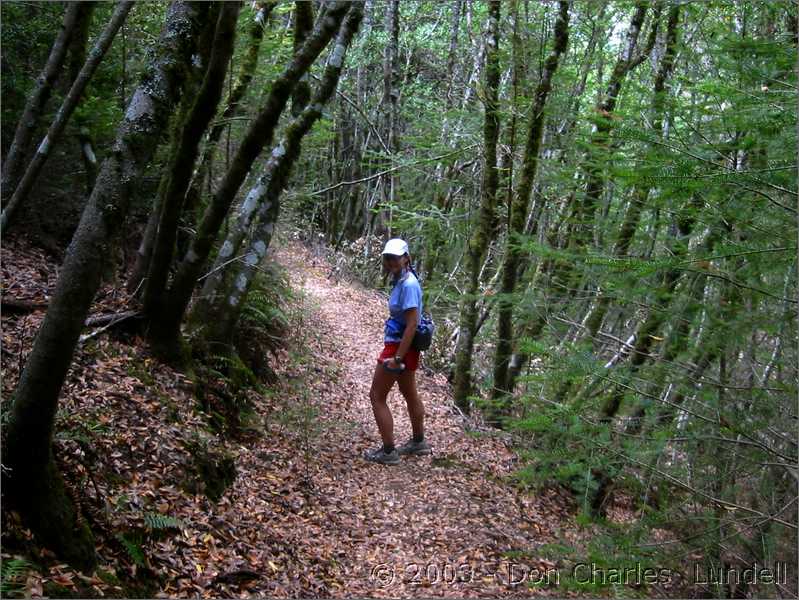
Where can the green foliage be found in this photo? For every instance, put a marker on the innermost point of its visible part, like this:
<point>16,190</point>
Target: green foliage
<point>82,431</point>
<point>12,576</point>
<point>157,521</point>
<point>265,311</point>
<point>559,446</point>
<point>132,543</point>
<point>714,382</point>
<point>262,327</point>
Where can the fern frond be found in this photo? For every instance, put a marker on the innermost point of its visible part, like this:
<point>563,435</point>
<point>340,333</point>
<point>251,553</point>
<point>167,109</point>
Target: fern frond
<point>158,521</point>
<point>12,575</point>
<point>133,548</point>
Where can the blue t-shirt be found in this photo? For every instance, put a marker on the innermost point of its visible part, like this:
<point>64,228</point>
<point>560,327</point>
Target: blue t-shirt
<point>406,293</point>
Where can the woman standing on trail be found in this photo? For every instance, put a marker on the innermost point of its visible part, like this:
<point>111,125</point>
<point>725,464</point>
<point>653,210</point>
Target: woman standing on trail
<point>399,360</point>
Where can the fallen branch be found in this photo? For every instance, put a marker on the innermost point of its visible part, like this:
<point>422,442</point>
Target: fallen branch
<point>20,305</point>
<point>110,319</point>
<point>106,322</point>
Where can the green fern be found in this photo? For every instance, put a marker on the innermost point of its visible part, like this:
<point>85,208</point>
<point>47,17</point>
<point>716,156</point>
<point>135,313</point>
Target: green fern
<point>12,575</point>
<point>132,547</point>
<point>233,371</point>
<point>157,521</point>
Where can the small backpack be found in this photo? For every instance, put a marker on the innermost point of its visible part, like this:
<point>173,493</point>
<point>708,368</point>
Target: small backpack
<point>424,333</point>
<point>425,329</point>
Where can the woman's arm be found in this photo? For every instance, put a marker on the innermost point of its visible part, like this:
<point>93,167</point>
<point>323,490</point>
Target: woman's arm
<point>411,319</point>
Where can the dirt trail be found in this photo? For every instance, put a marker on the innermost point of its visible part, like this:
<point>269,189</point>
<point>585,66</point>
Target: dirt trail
<point>306,516</point>
<point>431,526</point>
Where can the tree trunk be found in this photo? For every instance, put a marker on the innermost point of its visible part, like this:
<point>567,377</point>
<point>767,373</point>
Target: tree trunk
<point>547,272</point>
<point>641,193</point>
<point>179,170</point>
<point>164,333</point>
<point>519,207</point>
<point>508,159</point>
<point>303,23</point>
<point>561,271</point>
<point>77,46</point>
<point>478,244</point>
<point>33,484</point>
<point>626,63</point>
<point>194,194</point>
<point>390,108</point>
<point>68,106</point>
<point>225,290</point>
<point>20,145</point>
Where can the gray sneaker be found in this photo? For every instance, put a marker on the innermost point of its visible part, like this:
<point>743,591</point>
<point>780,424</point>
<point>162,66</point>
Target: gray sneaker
<point>415,448</point>
<point>384,458</point>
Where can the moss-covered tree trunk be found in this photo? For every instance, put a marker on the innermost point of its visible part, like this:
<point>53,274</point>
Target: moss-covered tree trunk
<point>233,106</point>
<point>521,200</point>
<point>303,23</point>
<point>627,61</point>
<point>478,244</point>
<point>68,106</point>
<point>561,272</point>
<point>180,168</point>
<point>14,161</point>
<point>194,80</point>
<point>641,192</point>
<point>218,311</point>
<point>164,331</point>
<point>32,483</point>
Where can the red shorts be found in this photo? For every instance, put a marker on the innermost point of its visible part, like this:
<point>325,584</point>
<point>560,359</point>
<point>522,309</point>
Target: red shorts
<point>411,358</point>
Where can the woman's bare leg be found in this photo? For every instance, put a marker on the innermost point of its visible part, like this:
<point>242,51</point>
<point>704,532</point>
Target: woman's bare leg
<point>407,385</point>
<point>382,382</point>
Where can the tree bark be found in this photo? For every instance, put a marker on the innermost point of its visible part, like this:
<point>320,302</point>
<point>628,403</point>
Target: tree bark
<point>20,145</point>
<point>561,272</point>
<point>478,244</point>
<point>179,170</point>
<point>390,107</point>
<point>164,333</point>
<point>303,23</point>
<point>519,207</point>
<point>226,289</point>
<point>626,63</point>
<point>194,194</point>
<point>233,104</point>
<point>65,112</point>
<point>641,193</point>
<point>33,483</point>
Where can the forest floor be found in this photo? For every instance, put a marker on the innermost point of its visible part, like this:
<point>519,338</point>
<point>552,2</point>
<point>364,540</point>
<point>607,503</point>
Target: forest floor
<point>306,514</point>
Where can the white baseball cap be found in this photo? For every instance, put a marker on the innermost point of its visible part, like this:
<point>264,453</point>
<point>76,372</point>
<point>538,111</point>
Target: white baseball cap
<point>395,246</point>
